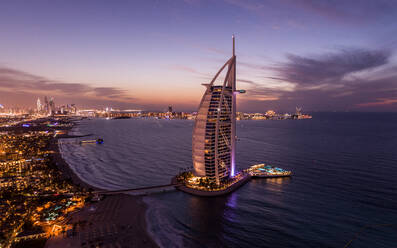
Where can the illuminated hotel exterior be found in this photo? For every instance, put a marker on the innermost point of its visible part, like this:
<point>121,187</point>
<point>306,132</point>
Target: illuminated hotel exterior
<point>214,133</point>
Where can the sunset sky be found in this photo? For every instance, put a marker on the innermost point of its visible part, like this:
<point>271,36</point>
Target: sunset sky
<point>321,55</point>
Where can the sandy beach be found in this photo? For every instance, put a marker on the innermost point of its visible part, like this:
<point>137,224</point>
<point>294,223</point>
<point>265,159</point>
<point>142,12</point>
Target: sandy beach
<point>115,221</point>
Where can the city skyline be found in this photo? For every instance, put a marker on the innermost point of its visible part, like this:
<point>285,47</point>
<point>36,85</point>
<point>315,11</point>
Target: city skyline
<point>324,56</point>
<point>198,123</point>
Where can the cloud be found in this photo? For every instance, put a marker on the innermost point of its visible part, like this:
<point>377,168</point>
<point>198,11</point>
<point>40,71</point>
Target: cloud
<point>330,68</point>
<point>22,83</point>
<point>342,11</point>
<point>354,11</point>
<point>247,4</point>
<point>379,102</point>
<point>109,92</point>
<point>246,81</point>
<point>184,68</point>
<point>252,65</point>
<point>346,79</point>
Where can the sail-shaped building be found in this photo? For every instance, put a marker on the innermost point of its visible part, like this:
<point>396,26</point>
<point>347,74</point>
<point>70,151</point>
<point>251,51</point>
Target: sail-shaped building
<point>214,133</point>
<point>214,141</point>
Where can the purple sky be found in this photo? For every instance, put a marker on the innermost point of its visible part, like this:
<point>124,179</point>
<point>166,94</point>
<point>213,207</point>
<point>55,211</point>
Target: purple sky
<point>321,55</point>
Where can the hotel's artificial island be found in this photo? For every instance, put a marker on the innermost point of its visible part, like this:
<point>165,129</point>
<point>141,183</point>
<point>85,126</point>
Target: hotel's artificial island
<point>214,141</point>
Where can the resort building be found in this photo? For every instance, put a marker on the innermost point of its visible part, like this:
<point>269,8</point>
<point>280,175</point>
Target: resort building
<point>214,133</point>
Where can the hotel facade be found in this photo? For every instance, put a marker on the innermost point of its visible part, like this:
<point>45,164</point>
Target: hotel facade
<point>214,133</point>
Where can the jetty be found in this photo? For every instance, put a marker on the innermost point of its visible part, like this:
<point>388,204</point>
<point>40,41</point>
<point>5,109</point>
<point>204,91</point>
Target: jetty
<point>139,190</point>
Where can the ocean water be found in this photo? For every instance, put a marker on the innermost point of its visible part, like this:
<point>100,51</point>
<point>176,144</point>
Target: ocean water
<point>345,178</point>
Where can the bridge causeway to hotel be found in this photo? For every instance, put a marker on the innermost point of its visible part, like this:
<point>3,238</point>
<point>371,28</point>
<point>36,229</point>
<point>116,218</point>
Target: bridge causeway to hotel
<point>139,191</point>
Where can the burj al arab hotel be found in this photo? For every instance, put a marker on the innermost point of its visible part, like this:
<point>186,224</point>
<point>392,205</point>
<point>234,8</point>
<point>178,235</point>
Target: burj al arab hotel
<point>214,133</point>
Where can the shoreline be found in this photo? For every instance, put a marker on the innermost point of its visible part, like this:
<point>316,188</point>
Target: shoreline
<point>126,217</point>
<point>64,167</point>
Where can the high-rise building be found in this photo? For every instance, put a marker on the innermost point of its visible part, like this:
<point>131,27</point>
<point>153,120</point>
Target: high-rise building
<point>214,133</point>
<point>51,106</point>
<point>298,111</point>
<point>170,109</point>
<point>46,105</point>
<point>39,106</point>
<point>73,108</point>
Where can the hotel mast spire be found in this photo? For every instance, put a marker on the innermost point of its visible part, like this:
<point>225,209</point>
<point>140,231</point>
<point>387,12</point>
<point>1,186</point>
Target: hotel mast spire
<point>233,114</point>
<point>233,45</point>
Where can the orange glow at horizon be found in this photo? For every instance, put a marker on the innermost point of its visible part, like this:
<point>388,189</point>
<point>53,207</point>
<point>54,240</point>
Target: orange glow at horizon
<point>382,101</point>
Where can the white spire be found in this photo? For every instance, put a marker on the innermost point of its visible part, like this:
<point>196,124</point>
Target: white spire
<point>233,45</point>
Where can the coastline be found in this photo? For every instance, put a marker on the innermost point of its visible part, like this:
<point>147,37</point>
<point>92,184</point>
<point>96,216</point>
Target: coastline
<point>64,167</point>
<point>123,216</point>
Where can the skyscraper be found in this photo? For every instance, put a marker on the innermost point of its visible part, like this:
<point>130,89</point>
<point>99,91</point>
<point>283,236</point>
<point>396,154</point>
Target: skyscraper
<point>39,106</point>
<point>46,105</point>
<point>214,133</point>
<point>51,106</point>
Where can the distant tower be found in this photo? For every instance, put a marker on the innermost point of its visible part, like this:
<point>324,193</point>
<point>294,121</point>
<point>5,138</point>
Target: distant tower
<point>74,108</point>
<point>298,111</point>
<point>214,133</point>
<point>39,106</point>
<point>46,105</point>
<point>51,106</point>
<point>170,108</point>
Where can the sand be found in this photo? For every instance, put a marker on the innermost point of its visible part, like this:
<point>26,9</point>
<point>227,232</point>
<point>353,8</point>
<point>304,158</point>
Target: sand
<point>116,221</point>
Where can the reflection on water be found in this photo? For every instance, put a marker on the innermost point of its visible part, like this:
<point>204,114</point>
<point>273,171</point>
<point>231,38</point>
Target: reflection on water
<point>279,181</point>
<point>272,181</point>
<point>272,184</point>
<point>207,219</point>
<point>332,194</point>
<point>232,201</point>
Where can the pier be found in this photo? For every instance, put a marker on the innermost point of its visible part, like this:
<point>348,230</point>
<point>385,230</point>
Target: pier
<point>139,191</point>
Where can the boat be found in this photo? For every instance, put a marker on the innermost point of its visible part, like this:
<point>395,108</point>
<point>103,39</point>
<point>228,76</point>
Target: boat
<point>267,171</point>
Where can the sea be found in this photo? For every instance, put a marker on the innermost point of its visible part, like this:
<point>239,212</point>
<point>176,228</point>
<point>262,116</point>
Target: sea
<point>343,192</point>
